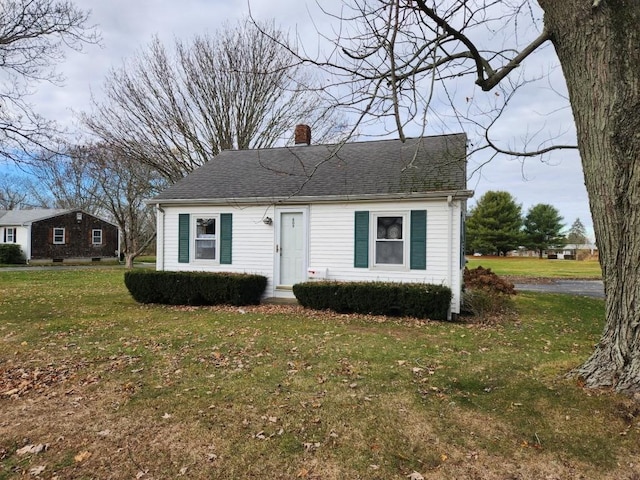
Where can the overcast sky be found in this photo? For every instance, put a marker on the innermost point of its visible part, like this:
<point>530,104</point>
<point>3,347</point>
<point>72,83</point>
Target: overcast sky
<point>127,26</point>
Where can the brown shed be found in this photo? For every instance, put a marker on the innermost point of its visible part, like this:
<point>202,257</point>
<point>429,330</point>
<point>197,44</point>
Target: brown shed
<point>59,235</point>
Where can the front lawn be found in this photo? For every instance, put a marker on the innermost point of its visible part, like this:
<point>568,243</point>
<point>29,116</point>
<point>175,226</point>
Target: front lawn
<point>536,267</point>
<point>113,389</point>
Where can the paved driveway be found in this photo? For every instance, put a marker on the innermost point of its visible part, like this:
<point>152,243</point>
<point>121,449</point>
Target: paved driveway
<point>585,288</point>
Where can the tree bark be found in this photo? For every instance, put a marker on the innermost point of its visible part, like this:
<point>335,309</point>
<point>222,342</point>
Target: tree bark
<point>128,259</point>
<point>599,50</point>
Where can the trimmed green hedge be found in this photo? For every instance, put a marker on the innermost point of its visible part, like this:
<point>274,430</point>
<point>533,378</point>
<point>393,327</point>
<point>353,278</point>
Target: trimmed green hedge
<point>194,288</point>
<point>11,254</point>
<point>379,298</point>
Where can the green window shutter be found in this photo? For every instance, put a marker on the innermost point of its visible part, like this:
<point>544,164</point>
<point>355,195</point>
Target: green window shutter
<point>361,240</point>
<point>183,237</point>
<point>225,238</point>
<point>418,240</point>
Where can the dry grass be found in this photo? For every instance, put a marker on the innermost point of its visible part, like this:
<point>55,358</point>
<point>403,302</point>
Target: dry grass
<point>120,391</point>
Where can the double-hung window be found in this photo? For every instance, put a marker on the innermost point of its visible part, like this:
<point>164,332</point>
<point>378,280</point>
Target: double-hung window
<point>206,238</point>
<point>58,236</point>
<point>9,235</point>
<point>390,245</point>
<point>96,236</point>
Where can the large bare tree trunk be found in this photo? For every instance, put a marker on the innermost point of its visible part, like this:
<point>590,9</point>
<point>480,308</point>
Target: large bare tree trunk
<point>599,48</point>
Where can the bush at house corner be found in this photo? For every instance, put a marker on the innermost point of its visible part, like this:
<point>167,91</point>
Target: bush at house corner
<point>11,254</point>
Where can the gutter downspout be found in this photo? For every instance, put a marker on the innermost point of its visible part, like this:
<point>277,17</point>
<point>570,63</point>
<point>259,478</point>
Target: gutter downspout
<point>450,243</point>
<point>160,238</point>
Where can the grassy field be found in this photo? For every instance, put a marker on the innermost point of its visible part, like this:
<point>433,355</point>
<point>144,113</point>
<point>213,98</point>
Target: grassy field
<point>113,389</point>
<point>535,267</point>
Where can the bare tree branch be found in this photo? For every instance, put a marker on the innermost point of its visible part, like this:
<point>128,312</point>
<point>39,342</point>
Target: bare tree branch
<point>34,37</point>
<point>236,89</point>
<point>393,59</point>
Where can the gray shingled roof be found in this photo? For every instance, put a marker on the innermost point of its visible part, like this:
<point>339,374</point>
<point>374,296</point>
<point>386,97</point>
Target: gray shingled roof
<point>20,217</point>
<point>383,167</point>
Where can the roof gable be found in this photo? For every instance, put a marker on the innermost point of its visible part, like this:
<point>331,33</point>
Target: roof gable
<point>384,167</point>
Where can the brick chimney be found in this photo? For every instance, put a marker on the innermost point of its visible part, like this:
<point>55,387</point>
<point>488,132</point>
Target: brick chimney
<point>302,135</point>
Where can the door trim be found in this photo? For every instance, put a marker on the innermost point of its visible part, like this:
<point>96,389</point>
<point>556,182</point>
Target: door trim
<point>280,290</point>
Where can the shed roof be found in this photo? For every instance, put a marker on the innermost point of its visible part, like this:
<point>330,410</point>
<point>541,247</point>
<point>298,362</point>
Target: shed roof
<point>11,218</point>
<point>20,217</point>
<point>349,170</point>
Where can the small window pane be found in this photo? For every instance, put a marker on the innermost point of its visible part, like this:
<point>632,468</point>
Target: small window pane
<point>389,253</point>
<point>390,228</point>
<point>206,227</point>
<point>206,249</point>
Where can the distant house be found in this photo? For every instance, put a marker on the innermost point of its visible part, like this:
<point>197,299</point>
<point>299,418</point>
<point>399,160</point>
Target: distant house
<point>380,210</point>
<point>58,235</point>
<point>574,251</point>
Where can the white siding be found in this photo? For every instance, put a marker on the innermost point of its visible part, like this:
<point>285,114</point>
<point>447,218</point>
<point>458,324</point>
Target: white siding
<point>330,242</point>
<point>22,238</point>
<point>252,250</point>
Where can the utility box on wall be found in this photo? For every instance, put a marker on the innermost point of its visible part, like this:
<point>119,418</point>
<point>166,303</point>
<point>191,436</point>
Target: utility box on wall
<point>317,273</point>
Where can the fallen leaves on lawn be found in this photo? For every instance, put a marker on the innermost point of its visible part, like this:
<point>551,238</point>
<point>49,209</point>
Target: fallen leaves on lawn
<point>415,476</point>
<point>82,456</point>
<point>32,449</point>
<point>18,381</point>
<point>36,471</point>
<point>287,309</point>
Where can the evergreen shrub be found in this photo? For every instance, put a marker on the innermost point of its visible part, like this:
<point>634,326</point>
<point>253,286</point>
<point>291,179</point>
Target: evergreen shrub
<point>195,288</point>
<point>418,300</point>
<point>11,254</point>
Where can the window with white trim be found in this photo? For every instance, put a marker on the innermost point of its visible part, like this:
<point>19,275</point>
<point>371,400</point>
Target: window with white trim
<point>58,236</point>
<point>9,235</point>
<point>96,236</point>
<point>389,233</point>
<point>391,241</point>
<point>206,238</point>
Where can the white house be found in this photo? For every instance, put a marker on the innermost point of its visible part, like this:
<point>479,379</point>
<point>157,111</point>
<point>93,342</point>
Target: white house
<point>375,211</point>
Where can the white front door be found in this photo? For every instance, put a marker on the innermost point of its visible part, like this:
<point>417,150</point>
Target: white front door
<point>292,251</point>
